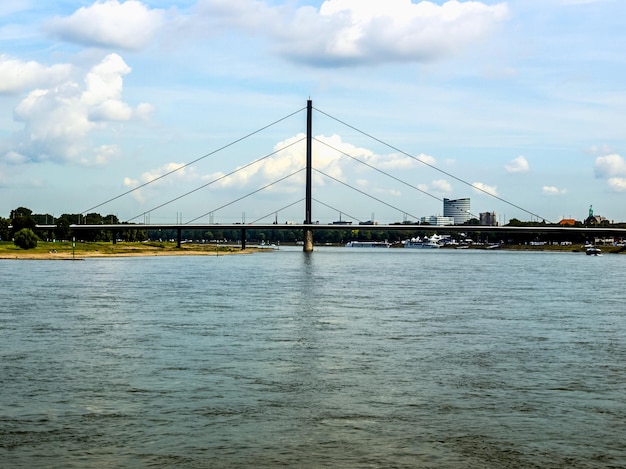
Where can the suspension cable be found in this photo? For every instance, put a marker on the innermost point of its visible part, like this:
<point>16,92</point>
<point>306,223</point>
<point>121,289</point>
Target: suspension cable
<point>334,208</point>
<point>276,211</point>
<point>384,172</point>
<point>364,193</point>
<point>379,170</point>
<point>194,161</point>
<point>217,179</point>
<point>432,166</point>
<point>247,195</point>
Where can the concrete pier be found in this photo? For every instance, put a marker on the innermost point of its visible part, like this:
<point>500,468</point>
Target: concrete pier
<point>308,240</point>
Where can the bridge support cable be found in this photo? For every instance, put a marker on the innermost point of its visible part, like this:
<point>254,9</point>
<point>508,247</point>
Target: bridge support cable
<point>433,167</point>
<point>215,180</point>
<point>365,193</point>
<point>234,142</point>
<point>380,171</point>
<point>337,210</point>
<point>384,173</point>
<point>247,195</point>
<point>276,211</point>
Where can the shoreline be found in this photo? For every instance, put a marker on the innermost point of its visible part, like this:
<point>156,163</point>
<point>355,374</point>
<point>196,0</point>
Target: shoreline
<point>64,251</point>
<point>58,251</point>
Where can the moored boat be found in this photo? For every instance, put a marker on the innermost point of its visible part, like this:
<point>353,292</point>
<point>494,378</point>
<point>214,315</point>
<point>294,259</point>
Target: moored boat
<point>368,244</point>
<point>593,251</point>
<point>423,243</point>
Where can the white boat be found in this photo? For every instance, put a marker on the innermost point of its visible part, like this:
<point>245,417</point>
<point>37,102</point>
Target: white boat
<point>593,251</point>
<point>265,245</point>
<point>368,244</point>
<point>423,243</point>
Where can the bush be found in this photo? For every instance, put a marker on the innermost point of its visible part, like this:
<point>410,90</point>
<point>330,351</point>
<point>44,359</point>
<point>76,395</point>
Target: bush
<point>25,239</point>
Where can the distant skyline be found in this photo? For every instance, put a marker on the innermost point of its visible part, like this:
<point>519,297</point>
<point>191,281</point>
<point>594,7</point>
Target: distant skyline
<point>522,99</point>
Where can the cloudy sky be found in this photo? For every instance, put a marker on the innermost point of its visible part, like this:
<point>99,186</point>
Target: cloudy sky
<point>413,101</point>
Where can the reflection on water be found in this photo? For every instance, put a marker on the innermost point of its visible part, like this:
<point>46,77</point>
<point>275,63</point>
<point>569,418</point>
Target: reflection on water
<point>334,358</point>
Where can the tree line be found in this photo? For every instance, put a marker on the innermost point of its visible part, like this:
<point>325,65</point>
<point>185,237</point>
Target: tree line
<point>23,218</point>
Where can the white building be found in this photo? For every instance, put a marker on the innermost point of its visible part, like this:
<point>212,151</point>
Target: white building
<point>459,209</point>
<point>437,220</point>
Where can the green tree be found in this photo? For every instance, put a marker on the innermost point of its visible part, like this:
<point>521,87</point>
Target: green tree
<point>22,217</point>
<point>25,239</point>
<point>4,229</point>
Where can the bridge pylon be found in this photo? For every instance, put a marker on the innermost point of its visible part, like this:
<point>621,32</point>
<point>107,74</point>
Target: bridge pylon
<point>308,233</point>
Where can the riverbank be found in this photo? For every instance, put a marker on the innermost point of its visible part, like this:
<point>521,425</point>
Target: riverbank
<point>65,250</point>
<point>69,250</point>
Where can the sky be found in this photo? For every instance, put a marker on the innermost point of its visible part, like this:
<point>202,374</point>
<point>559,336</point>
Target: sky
<point>518,105</point>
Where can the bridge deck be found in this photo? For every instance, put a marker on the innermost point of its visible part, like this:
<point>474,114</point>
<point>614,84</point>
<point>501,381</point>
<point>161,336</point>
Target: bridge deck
<point>315,227</point>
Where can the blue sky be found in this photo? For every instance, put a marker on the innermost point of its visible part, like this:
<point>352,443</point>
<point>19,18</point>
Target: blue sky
<point>523,99</point>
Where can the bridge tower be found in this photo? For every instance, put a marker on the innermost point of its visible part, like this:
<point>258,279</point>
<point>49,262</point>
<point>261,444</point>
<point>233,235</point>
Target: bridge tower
<point>308,233</point>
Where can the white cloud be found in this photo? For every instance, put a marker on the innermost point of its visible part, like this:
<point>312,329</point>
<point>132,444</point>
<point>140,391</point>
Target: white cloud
<point>178,173</point>
<point>610,165</point>
<point>481,187</point>
<point>16,75</point>
<point>128,25</point>
<point>59,120</point>
<point>339,33</point>
<point>553,190</point>
<point>13,157</point>
<point>351,32</point>
<point>618,184</point>
<point>612,168</point>
<point>430,160</point>
<point>104,154</point>
<point>518,165</point>
<point>153,174</point>
<point>290,157</point>
<point>104,81</point>
<point>600,150</point>
<point>288,161</point>
<point>441,185</point>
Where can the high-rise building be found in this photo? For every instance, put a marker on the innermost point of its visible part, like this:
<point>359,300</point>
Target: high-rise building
<point>488,219</point>
<point>459,209</point>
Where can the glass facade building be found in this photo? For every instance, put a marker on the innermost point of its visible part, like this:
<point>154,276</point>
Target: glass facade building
<point>459,209</point>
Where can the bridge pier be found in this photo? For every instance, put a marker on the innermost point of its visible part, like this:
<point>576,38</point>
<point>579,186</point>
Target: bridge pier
<point>308,240</point>
<point>243,239</point>
<point>179,237</point>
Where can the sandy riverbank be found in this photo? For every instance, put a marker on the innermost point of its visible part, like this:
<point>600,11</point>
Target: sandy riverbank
<point>64,251</point>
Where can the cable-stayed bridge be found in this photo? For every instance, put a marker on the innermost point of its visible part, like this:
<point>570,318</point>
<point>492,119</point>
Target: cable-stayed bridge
<point>309,226</point>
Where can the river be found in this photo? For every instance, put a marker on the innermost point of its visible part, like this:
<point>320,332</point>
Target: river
<point>337,358</point>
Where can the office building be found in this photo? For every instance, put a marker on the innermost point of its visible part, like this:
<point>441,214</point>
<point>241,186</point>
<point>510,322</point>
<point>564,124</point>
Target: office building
<point>459,209</point>
<point>488,219</point>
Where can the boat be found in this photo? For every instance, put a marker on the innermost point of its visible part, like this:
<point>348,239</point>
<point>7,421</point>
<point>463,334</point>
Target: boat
<point>593,251</point>
<point>423,243</point>
<point>265,245</point>
<point>368,244</point>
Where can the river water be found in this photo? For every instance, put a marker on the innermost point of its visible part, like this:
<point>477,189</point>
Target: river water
<point>336,358</point>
